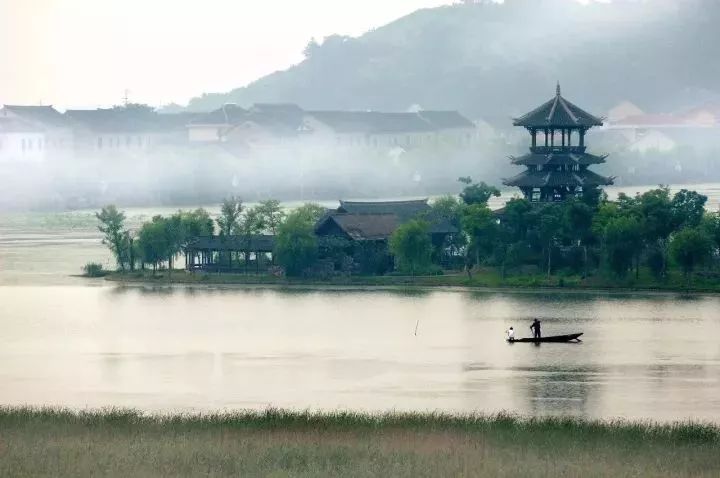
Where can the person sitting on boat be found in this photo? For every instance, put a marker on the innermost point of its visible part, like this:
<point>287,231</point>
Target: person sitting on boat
<point>510,334</point>
<point>535,327</point>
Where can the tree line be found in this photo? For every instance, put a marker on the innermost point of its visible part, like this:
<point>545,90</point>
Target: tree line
<point>655,229</point>
<point>159,241</point>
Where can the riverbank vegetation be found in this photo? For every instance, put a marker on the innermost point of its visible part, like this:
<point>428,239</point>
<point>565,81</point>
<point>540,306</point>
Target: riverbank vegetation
<point>94,269</point>
<point>61,443</point>
<point>654,240</point>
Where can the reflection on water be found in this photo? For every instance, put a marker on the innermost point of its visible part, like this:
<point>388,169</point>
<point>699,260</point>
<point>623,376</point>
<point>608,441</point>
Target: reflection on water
<point>163,348</point>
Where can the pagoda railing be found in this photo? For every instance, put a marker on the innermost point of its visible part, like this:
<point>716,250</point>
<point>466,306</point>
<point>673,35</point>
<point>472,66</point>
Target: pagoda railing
<point>558,149</point>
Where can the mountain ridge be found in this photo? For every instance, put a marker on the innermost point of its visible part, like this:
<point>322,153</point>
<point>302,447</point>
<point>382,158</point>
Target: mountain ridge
<point>496,61</point>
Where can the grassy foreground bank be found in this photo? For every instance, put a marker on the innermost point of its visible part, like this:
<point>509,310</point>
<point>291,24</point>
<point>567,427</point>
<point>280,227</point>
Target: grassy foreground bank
<point>485,278</point>
<point>274,443</point>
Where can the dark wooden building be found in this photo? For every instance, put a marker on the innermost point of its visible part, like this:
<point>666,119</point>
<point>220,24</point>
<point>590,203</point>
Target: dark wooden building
<point>377,220</point>
<point>557,167</point>
<point>229,253</point>
<point>365,229</point>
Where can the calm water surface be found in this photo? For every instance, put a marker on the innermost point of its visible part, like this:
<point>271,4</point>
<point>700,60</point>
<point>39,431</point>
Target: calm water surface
<point>203,349</point>
<point>72,342</point>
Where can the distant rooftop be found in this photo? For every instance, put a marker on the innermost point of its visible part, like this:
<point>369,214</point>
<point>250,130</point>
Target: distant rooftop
<point>128,120</point>
<point>227,115</point>
<point>43,115</point>
<point>288,118</point>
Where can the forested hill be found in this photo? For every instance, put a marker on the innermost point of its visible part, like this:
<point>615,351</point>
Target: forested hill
<point>496,60</point>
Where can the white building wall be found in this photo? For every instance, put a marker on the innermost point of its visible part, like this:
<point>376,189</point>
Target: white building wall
<point>22,147</point>
<point>205,134</point>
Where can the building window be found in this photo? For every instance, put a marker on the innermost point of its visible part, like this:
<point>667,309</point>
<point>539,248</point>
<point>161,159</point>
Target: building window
<point>128,141</point>
<point>99,142</point>
<point>30,144</point>
<point>24,145</point>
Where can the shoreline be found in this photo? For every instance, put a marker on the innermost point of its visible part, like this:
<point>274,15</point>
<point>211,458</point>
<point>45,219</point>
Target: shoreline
<point>388,283</point>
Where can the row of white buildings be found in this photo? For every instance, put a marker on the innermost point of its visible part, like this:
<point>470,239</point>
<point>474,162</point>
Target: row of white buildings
<point>37,133</point>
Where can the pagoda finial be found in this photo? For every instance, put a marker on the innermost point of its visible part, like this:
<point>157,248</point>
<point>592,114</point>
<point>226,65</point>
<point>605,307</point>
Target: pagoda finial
<point>558,89</point>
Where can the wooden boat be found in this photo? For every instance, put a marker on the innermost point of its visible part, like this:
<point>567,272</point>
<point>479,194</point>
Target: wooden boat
<point>553,338</point>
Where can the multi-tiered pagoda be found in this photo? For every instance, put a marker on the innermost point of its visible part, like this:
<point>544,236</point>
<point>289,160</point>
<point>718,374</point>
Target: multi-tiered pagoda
<point>557,169</point>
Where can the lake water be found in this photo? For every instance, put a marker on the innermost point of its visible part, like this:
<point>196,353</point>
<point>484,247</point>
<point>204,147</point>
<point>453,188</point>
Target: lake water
<point>73,342</point>
<point>644,356</point>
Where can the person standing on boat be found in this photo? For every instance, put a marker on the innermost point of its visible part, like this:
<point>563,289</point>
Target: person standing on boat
<point>510,334</point>
<point>535,327</point>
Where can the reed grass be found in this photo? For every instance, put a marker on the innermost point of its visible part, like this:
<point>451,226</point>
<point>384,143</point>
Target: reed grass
<point>118,442</point>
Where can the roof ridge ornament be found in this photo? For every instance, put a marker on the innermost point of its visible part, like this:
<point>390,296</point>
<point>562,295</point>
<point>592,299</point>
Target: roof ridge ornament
<point>557,89</point>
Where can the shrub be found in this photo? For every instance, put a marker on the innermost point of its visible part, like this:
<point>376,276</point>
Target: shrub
<point>93,269</point>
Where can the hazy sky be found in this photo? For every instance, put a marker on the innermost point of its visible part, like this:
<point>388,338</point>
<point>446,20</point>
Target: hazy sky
<point>85,53</point>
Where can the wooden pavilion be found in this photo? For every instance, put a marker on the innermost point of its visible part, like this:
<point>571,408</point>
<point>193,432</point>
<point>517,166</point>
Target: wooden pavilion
<point>557,169</point>
<point>229,253</point>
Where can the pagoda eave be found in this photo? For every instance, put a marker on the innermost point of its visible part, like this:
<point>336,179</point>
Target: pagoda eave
<point>552,179</point>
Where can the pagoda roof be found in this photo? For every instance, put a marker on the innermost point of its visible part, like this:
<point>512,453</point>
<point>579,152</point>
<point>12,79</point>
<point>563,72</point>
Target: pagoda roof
<point>541,179</point>
<point>558,159</point>
<point>560,113</point>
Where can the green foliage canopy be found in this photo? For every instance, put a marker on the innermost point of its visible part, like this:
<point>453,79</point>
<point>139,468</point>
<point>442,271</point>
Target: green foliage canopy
<point>296,246</point>
<point>411,246</point>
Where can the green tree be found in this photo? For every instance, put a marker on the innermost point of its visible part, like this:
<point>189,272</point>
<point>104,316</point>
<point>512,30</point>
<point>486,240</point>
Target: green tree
<point>411,246</point>
<point>176,237</point>
<point>152,242</point>
<point>515,218</point>
<point>711,225</point>
<point>112,226</point>
<point>477,193</point>
<point>481,227</point>
<point>448,210</point>
<point>310,212</point>
<point>688,208</point>
<point>229,219</point>
<point>196,223</point>
<point>690,247</point>
<point>270,214</point>
<point>251,224</point>
<point>296,246</point>
<point>579,220</point>
<point>550,230</point>
<point>622,242</point>
<point>658,219</point>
